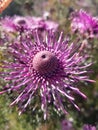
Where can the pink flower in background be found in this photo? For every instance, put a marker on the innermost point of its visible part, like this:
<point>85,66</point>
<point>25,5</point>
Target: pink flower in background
<point>66,125</point>
<point>50,25</point>
<point>11,24</point>
<point>84,24</point>
<point>89,127</point>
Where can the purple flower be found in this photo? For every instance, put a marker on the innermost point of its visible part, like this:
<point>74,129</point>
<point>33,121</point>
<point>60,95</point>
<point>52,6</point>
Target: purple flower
<point>50,25</point>
<point>12,24</point>
<point>89,127</point>
<point>48,68</point>
<point>84,23</point>
<point>66,125</point>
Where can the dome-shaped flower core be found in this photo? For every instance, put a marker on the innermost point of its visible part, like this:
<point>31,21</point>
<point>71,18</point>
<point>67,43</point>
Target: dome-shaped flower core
<point>21,22</point>
<point>45,62</point>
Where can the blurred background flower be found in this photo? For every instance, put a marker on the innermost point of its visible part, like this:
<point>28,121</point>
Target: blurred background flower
<point>84,24</point>
<point>89,127</point>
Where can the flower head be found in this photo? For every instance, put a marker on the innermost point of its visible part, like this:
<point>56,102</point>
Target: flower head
<point>66,125</point>
<point>12,24</point>
<point>45,67</point>
<point>89,127</point>
<point>84,23</point>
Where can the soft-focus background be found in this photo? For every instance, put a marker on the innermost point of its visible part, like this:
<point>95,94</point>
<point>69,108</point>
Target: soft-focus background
<point>58,11</point>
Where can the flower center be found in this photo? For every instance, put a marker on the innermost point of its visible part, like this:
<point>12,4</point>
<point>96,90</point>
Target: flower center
<point>45,62</point>
<point>21,22</point>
